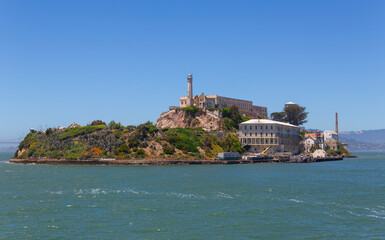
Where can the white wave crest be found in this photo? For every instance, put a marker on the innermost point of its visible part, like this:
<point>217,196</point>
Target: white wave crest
<point>183,195</point>
<point>57,193</point>
<point>375,216</point>
<point>224,195</point>
<point>295,200</point>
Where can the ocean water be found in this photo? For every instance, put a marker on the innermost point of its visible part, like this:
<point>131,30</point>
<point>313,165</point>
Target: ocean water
<point>329,200</point>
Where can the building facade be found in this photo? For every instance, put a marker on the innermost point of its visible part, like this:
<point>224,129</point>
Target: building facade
<point>308,143</point>
<point>208,101</point>
<point>262,133</point>
<point>328,134</point>
<point>313,139</point>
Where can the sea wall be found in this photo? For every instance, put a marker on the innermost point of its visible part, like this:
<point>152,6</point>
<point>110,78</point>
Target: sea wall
<point>158,161</point>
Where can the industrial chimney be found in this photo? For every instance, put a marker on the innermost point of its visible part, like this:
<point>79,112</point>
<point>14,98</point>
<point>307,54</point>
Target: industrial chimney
<point>337,125</point>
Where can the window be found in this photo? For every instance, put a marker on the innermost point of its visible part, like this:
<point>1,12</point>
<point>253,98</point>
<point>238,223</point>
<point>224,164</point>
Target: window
<point>271,127</point>
<point>251,127</point>
<point>266,134</point>
<point>256,127</point>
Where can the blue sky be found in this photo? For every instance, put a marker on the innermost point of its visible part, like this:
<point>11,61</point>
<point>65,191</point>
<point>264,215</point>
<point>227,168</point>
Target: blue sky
<point>77,61</point>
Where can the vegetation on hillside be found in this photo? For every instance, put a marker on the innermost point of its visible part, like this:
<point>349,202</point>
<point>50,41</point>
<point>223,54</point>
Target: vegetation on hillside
<point>231,118</point>
<point>302,133</point>
<point>293,114</point>
<point>119,142</point>
<point>340,150</point>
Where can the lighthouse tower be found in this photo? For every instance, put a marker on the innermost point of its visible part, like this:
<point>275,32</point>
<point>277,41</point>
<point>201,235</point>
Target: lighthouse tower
<point>190,101</point>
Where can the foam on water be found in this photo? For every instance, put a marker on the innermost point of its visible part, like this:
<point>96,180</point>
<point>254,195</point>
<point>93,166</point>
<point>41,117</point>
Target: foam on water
<point>224,195</point>
<point>295,200</point>
<point>183,195</point>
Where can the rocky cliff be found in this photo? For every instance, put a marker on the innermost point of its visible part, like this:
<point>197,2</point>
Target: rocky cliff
<point>179,118</point>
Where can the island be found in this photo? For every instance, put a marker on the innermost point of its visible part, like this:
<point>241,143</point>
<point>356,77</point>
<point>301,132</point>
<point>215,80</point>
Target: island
<point>194,133</point>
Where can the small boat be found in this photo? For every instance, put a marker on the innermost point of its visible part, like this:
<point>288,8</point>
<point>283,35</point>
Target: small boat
<point>258,156</point>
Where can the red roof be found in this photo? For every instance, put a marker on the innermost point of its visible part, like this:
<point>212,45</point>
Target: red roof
<point>313,135</point>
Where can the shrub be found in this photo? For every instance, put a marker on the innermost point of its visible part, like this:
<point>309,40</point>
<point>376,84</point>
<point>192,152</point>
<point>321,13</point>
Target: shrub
<point>97,122</point>
<point>228,124</point>
<point>140,153</point>
<point>72,156</point>
<point>49,131</point>
<point>226,112</point>
<point>122,150</point>
<point>168,150</point>
<point>133,142</point>
<point>145,129</point>
<point>77,131</point>
<point>191,111</point>
<point>114,125</point>
<point>184,139</point>
<point>232,144</point>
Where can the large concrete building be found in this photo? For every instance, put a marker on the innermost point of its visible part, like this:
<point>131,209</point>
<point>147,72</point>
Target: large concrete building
<point>208,101</point>
<point>262,133</point>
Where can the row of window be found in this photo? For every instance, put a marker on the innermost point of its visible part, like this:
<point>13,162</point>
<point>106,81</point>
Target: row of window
<point>271,135</point>
<point>266,127</point>
<point>256,127</point>
<point>253,141</point>
<point>260,134</point>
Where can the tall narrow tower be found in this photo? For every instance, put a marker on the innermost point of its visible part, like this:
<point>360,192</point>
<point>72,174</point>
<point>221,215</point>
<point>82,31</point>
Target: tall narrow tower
<point>337,125</point>
<point>190,101</point>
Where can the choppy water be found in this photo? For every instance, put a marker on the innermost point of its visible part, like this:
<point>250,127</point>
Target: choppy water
<point>330,200</point>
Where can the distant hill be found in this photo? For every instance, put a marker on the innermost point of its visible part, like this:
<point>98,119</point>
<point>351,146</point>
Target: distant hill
<point>354,145</point>
<point>368,140</point>
<point>8,147</point>
<point>365,136</point>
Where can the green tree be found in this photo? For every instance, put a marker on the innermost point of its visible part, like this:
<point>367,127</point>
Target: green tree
<point>231,143</point>
<point>226,112</point>
<point>278,116</point>
<point>293,114</point>
<point>49,131</point>
<point>260,116</point>
<point>235,115</point>
<point>231,118</point>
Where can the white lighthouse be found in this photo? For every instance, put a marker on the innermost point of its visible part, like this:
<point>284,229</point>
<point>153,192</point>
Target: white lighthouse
<point>190,101</point>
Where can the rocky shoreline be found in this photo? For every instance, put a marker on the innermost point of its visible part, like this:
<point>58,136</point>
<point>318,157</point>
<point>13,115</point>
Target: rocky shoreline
<point>137,162</point>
